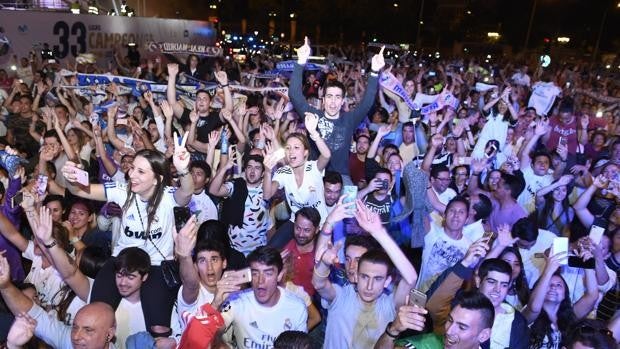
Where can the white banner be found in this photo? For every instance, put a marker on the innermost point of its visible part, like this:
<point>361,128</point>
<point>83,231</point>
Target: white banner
<point>70,35</point>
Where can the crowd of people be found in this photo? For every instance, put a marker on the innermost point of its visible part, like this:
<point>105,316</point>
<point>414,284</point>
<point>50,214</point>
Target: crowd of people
<point>423,203</point>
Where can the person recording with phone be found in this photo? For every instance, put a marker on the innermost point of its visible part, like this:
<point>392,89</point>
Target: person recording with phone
<point>377,195</point>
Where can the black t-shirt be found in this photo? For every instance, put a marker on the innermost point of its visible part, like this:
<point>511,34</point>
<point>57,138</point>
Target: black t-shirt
<point>205,124</point>
<point>382,208</point>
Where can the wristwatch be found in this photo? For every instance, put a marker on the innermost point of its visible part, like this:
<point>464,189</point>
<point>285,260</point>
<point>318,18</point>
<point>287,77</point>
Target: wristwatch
<point>52,244</point>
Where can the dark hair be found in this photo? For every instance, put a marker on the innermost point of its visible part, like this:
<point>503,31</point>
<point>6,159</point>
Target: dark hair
<point>474,300</point>
<point>456,199</point>
<point>591,333</point>
<point>483,207</point>
<point>335,83</point>
<point>437,169</point>
<point>377,256</point>
<point>311,214</point>
<point>210,245</point>
<point>132,259</point>
<point>512,183</point>
<point>541,152</point>
<point>519,284</point>
<point>543,214</point>
<point>201,165</point>
<point>525,229</point>
<point>213,230</point>
<point>52,198</point>
<point>50,134</point>
<point>361,241</point>
<point>292,340</point>
<point>541,327</point>
<point>494,264</point>
<point>61,235</point>
<point>257,158</point>
<point>332,177</point>
<point>266,255</point>
<point>161,172</point>
<point>384,170</point>
<point>409,124</point>
<point>363,135</point>
<point>92,260</point>
<point>63,107</point>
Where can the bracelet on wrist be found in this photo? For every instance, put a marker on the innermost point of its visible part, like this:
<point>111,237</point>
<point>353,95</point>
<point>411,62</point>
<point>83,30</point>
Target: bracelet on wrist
<point>225,85</point>
<point>322,276</point>
<point>50,245</point>
<point>387,331</point>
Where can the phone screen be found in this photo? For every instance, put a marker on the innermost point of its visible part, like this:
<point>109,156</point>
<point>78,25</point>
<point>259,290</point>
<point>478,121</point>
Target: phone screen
<point>181,216</point>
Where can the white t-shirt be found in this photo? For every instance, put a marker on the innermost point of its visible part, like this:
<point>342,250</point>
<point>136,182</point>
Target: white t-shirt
<point>446,196</point>
<point>133,230</point>
<point>533,183</point>
<point>533,265</point>
<point>257,326</point>
<point>543,96</point>
<point>48,281</point>
<point>353,324</point>
<point>129,320</point>
<point>495,128</point>
<point>256,221</point>
<point>502,326</point>
<point>310,193</point>
<point>203,206</point>
<point>204,296</point>
<point>440,253</point>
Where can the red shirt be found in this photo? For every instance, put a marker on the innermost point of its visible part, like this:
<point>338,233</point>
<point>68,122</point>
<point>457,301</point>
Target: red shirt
<point>357,169</point>
<point>303,265</point>
<point>568,131</point>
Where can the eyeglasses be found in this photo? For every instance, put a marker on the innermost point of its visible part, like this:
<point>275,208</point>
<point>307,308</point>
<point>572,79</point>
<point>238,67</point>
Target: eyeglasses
<point>443,179</point>
<point>461,173</point>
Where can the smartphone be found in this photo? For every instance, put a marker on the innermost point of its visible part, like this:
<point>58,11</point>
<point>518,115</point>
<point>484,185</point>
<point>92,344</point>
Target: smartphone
<point>385,184</point>
<point>94,119</point>
<point>563,141</point>
<point>560,244</point>
<point>121,121</point>
<point>181,216</point>
<point>41,185</point>
<point>81,176</point>
<point>432,73</point>
<point>576,262</point>
<point>363,71</point>
<point>17,199</point>
<point>243,275</point>
<point>490,237</point>
<point>417,298</point>
<point>350,195</point>
<point>491,151</point>
<point>596,234</point>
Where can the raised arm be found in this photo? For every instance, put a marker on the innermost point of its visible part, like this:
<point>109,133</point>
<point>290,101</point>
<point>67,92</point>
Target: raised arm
<point>295,91</point>
<point>542,127</point>
<point>371,222</point>
<point>65,265</point>
<point>222,79</point>
<point>111,132</point>
<point>10,233</point>
<point>216,187</point>
<point>436,144</point>
<point>94,191</point>
<point>185,241</point>
<point>537,298</point>
<point>311,122</point>
<point>374,147</point>
<point>171,90</point>
<point>15,299</point>
<point>181,159</point>
<point>581,205</point>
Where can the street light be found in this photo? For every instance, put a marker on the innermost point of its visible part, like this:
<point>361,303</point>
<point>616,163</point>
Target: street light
<point>493,35</point>
<point>563,40</point>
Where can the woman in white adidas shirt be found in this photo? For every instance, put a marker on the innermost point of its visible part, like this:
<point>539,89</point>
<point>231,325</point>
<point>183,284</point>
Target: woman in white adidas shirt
<point>301,179</point>
<point>147,222</point>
